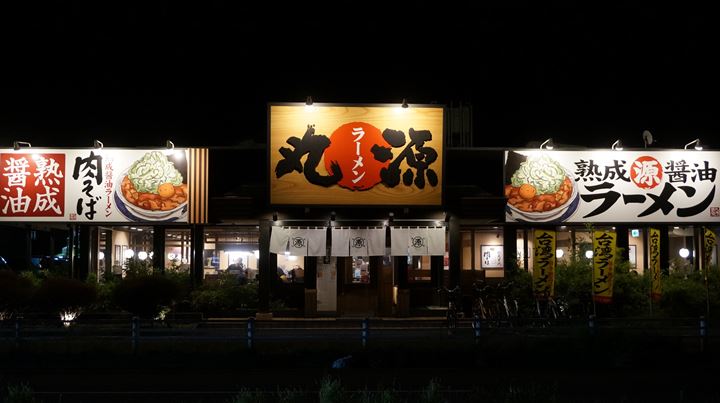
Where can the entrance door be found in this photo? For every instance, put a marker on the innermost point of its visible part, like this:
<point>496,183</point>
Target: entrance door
<point>358,285</point>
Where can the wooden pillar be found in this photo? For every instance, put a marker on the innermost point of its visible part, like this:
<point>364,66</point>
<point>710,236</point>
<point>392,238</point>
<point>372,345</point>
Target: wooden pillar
<point>510,247</point>
<point>437,265</point>
<point>623,242</point>
<point>526,258</point>
<point>267,269</point>
<point>646,248</point>
<point>84,254</point>
<point>310,282</point>
<point>455,251</point>
<point>108,254</point>
<point>401,272</point>
<point>664,249</point>
<point>159,248</point>
<point>403,293</point>
<point>27,258</point>
<point>72,250</point>
<point>197,236</point>
<point>94,249</point>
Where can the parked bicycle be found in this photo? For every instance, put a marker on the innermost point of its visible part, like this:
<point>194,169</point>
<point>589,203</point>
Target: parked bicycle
<point>452,300</point>
<point>494,303</point>
<point>551,309</point>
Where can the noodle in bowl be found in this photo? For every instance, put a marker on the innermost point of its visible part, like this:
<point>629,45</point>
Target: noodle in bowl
<point>143,212</point>
<point>547,215</point>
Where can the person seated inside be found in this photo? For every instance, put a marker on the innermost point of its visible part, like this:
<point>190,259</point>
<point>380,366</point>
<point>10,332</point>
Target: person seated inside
<point>282,276</point>
<point>297,274</point>
<point>238,269</point>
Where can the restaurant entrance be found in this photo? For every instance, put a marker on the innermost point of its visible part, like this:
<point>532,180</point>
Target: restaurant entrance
<point>365,286</point>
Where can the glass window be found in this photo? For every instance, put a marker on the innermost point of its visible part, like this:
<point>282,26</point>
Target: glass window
<point>291,269</point>
<point>233,250</point>
<point>681,247</point>
<point>466,238</point>
<point>178,250</point>
<point>361,270</point>
<point>419,269</point>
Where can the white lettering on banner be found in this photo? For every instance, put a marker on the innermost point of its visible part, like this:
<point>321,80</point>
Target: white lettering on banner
<point>19,204</point>
<point>16,171</point>
<point>646,173</point>
<point>47,170</point>
<point>358,133</point>
<point>47,201</point>
<point>612,186</point>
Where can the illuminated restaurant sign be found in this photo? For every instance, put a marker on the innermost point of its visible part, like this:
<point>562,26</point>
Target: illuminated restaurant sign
<point>94,185</point>
<point>611,186</point>
<point>347,155</point>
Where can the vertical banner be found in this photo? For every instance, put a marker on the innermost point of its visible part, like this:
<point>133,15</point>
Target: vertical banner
<point>604,243</point>
<point>654,263</point>
<point>709,241</point>
<point>544,264</point>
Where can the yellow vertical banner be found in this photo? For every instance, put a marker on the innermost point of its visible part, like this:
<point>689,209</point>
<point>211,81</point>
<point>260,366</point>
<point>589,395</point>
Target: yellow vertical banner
<point>544,264</point>
<point>709,240</point>
<point>654,263</point>
<point>604,243</point>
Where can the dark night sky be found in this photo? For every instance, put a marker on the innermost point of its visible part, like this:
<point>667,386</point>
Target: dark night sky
<point>201,75</point>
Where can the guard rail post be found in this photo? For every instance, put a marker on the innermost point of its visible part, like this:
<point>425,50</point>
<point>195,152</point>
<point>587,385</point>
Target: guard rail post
<point>250,332</point>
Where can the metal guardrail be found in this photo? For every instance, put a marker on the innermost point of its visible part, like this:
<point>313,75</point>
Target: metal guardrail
<point>249,330</point>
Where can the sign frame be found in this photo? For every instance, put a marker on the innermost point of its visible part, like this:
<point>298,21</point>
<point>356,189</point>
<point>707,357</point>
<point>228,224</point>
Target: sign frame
<point>270,168</point>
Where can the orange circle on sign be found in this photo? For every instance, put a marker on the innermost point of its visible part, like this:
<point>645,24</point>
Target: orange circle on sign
<point>646,172</point>
<point>350,146</point>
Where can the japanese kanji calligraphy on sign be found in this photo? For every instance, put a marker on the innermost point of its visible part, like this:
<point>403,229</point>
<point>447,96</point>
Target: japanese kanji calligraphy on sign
<point>97,185</point>
<point>612,186</point>
<point>544,264</point>
<point>345,155</point>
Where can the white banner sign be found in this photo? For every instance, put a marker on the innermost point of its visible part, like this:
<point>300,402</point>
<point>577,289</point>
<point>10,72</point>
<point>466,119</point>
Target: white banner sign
<point>611,186</point>
<point>95,185</point>
<point>420,241</point>
<point>299,241</point>
<point>358,242</point>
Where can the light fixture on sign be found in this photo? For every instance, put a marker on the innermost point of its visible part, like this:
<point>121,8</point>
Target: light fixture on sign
<point>617,145</point>
<point>18,144</point>
<point>98,144</point>
<point>684,253</point>
<point>698,146</point>
<point>404,103</point>
<point>589,254</point>
<point>647,138</point>
<point>170,150</point>
<point>559,253</point>
<point>309,104</point>
<point>547,144</point>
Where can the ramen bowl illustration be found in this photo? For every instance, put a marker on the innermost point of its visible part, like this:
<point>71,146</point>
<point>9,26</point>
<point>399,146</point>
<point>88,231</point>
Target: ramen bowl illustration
<point>152,188</point>
<point>541,190</point>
